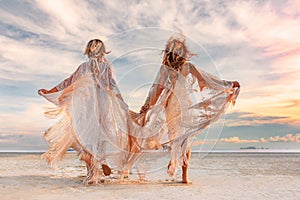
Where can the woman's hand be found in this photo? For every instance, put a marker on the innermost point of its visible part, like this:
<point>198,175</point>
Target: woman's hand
<point>235,84</point>
<point>43,91</point>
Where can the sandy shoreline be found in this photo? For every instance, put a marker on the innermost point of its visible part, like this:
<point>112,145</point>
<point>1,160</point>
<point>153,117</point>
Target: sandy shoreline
<point>217,176</point>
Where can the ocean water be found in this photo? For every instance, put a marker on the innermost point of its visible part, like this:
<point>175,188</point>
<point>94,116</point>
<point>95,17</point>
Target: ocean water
<point>256,163</point>
<point>194,151</point>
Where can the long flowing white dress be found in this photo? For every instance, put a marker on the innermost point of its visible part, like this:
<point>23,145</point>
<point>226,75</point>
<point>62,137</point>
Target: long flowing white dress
<point>189,104</point>
<point>95,120</point>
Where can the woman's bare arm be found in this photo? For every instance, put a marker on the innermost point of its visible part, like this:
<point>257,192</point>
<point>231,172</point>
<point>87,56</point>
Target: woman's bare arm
<point>203,83</point>
<point>65,83</point>
<point>155,91</point>
<point>44,91</point>
<point>196,73</point>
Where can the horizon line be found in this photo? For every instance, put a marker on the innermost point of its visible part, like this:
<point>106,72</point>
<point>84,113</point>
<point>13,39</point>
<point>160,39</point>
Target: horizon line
<point>193,151</point>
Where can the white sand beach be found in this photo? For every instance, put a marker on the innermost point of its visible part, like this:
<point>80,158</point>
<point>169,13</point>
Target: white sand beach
<point>216,176</point>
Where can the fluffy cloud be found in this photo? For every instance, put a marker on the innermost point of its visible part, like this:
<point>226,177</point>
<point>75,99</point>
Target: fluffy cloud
<point>237,140</point>
<point>255,42</point>
<point>286,138</point>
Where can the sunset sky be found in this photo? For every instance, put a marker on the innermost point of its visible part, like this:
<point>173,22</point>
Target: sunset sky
<point>254,42</point>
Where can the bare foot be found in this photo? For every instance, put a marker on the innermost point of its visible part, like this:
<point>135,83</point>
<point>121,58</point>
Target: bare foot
<point>142,177</point>
<point>186,180</point>
<point>185,167</point>
<point>106,170</point>
<point>126,174</point>
<point>92,177</point>
<point>91,180</point>
<point>172,168</point>
<point>123,175</point>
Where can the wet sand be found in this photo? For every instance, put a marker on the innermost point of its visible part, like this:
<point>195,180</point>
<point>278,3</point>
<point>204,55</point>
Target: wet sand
<point>216,176</point>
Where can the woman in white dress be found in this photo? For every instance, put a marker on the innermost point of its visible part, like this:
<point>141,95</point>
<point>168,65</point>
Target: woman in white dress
<point>94,115</point>
<point>98,124</point>
<point>193,99</point>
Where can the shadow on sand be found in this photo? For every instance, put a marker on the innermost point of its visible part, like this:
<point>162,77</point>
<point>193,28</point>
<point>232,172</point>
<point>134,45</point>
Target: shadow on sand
<point>57,182</point>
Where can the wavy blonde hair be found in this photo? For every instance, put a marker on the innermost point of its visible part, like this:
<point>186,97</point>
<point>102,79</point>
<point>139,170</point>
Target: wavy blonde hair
<point>95,50</point>
<point>176,53</point>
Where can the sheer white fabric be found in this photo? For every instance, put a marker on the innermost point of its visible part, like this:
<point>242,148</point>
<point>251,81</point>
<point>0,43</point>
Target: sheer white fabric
<point>188,102</point>
<point>94,119</point>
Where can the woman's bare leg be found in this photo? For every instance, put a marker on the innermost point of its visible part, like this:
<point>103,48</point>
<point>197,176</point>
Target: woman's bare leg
<point>185,166</point>
<point>133,150</point>
<point>93,172</point>
<point>86,158</point>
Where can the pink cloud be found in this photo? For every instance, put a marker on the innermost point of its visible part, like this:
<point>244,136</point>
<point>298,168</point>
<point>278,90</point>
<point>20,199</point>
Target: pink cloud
<point>263,140</point>
<point>276,32</point>
<point>196,143</point>
<point>286,138</point>
<point>235,139</point>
